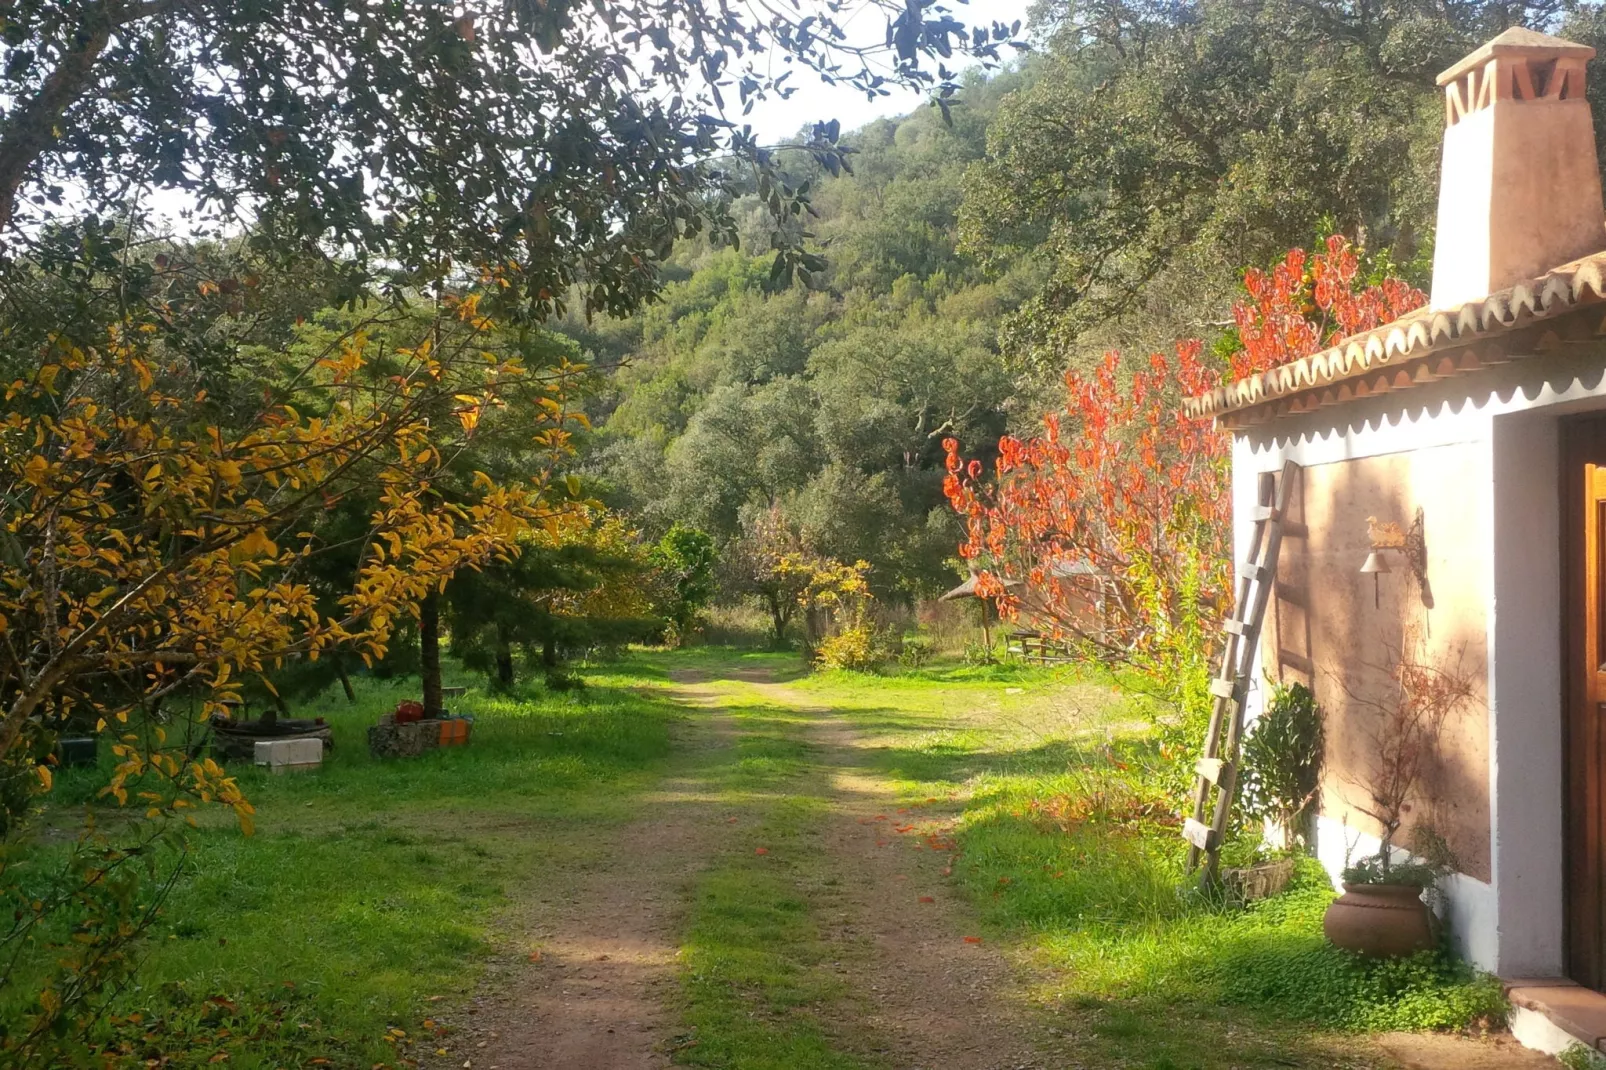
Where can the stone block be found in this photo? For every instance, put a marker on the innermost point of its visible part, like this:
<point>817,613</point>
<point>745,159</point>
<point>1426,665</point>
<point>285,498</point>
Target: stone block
<point>403,740</point>
<point>280,754</point>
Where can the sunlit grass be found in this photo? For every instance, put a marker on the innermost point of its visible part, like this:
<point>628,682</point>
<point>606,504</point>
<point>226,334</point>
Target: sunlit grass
<point>1068,849</point>
<point>370,885</point>
<point>755,980</point>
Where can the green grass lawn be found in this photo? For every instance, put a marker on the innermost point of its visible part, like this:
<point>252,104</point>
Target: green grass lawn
<point>366,893</point>
<point>1068,849</point>
<point>365,902</point>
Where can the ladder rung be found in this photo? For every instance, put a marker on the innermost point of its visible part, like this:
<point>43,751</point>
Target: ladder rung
<point>1210,769</point>
<point>1266,512</point>
<point>1224,688</point>
<point>1254,570</point>
<point>1200,835</point>
<point>1235,627</point>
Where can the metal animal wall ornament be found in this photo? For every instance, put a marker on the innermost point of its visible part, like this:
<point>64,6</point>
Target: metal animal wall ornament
<point>1386,535</point>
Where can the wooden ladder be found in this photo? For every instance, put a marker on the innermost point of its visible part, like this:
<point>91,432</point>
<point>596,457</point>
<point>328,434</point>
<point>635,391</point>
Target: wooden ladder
<point>1218,769</point>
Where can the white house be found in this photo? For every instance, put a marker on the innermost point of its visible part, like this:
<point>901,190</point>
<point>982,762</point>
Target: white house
<point>1474,425</point>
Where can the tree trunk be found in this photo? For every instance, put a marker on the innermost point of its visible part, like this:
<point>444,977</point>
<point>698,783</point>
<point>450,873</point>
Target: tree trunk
<point>777,619</point>
<point>345,680</point>
<point>429,651</point>
<point>549,652</point>
<point>32,128</point>
<point>270,716</point>
<point>504,658</point>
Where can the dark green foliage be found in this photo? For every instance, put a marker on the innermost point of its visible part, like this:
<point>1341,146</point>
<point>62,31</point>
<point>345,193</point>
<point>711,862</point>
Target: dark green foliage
<point>566,144</point>
<point>1371,871</point>
<point>1163,147</point>
<point>563,681</point>
<point>1282,761</point>
<point>830,404</point>
<point>685,560</point>
<point>539,603</point>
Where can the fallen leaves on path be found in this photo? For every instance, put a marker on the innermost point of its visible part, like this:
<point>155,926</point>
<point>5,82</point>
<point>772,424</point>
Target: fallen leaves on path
<point>972,939</point>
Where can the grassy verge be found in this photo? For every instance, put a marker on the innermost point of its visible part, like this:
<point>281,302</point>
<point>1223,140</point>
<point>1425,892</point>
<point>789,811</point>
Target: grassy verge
<point>756,975</point>
<point>1068,850</point>
<point>366,894</point>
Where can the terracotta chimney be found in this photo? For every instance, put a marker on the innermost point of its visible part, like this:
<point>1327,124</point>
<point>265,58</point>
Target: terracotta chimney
<point>1519,192</point>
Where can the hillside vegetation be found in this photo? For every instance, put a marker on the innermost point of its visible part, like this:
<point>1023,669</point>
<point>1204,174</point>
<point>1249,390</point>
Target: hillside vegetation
<point>1104,193</point>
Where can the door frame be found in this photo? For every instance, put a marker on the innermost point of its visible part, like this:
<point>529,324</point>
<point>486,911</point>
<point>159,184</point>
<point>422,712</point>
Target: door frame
<point>1582,482</point>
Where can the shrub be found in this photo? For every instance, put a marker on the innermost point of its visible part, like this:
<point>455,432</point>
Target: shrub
<point>853,648</point>
<point>1578,1057</point>
<point>1283,762</point>
<point>916,651</point>
<point>557,680</point>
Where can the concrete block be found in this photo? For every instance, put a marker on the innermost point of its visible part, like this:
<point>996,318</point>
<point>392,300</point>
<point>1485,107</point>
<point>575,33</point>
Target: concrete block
<point>280,754</point>
<point>1571,1010</point>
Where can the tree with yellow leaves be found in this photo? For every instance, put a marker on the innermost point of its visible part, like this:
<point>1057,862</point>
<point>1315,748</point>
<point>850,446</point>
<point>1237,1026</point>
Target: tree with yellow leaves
<point>156,546</point>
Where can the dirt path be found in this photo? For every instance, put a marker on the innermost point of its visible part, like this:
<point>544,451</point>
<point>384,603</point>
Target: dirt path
<point>588,973</point>
<point>937,1000</point>
<point>587,978</point>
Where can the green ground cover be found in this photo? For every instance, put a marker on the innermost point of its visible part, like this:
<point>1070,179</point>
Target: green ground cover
<point>366,898</point>
<point>754,969</point>
<point>1067,847</point>
<point>369,885</point>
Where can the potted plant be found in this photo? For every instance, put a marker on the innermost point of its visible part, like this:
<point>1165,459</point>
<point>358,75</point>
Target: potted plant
<point>1382,912</point>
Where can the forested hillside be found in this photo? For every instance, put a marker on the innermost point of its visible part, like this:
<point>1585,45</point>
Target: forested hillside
<point>1107,192</point>
<point>829,403</point>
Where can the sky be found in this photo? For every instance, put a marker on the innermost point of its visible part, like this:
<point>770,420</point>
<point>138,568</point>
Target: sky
<point>815,101</point>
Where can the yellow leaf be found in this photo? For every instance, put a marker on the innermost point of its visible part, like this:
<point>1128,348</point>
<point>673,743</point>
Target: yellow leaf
<point>36,471</point>
<point>257,542</point>
<point>45,778</point>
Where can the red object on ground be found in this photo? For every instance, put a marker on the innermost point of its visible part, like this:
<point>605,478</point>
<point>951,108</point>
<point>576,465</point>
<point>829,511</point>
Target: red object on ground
<point>407,712</point>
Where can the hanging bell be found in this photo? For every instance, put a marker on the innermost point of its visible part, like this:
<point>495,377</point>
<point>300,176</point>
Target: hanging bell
<point>1376,564</point>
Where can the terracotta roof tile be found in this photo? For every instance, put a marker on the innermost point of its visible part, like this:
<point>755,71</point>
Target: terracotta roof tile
<point>1414,335</point>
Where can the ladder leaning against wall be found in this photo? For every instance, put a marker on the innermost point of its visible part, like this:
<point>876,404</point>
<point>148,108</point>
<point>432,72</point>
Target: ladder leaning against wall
<point>1217,772</point>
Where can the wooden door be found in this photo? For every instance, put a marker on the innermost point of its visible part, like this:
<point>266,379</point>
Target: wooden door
<point>1584,487</point>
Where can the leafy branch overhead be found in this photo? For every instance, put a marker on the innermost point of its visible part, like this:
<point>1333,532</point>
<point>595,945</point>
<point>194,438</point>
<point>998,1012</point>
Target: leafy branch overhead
<point>568,144</point>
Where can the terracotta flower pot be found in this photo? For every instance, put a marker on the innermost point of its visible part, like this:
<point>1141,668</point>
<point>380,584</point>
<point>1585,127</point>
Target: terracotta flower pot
<point>1380,920</point>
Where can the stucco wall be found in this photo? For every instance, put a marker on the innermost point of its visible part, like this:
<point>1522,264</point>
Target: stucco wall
<point>1328,632</point>
<point>1510,924</point>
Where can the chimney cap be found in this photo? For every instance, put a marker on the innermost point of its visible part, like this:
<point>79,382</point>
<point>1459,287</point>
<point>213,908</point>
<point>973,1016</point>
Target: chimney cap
<point>1518,41</point>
